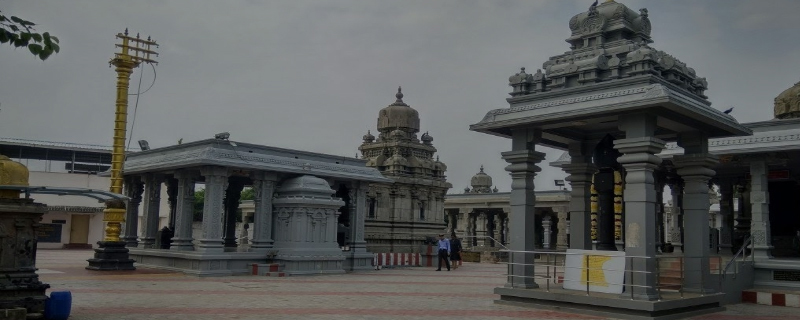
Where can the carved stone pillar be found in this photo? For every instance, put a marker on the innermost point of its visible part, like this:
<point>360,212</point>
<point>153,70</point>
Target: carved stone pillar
<point>216,179</point>
<point>184,211</point>
<point>580,172</point>
<point>660,214</point>
<point>562,237</point>
<point>231,203</point>
<point>639,159</point>
<point>472,218</point>
<point>696,170</point>
<point>522,166</point>
<point>264,189</point>
<point>759,212</point>
<point>726,215</point>
<point>152,204</point>
<point>133,190</point>
<point>358,257</point>
<point>547,224</point>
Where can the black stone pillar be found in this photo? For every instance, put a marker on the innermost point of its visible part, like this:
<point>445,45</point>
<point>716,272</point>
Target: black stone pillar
<point>172,196</point>
<point>605,158</point>
<point>231,203</point>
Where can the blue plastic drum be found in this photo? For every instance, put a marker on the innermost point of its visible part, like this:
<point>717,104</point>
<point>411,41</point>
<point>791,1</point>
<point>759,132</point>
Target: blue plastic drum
<point>58,305</point>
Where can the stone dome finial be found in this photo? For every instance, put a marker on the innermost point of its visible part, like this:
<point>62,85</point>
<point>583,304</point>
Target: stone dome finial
<point>426,138</point>
<point>398,114</point>
<point>369,138</point>
<point>399,96</point>
<point>12,173</point>
<point>481,182</point>
<point>787,104</point>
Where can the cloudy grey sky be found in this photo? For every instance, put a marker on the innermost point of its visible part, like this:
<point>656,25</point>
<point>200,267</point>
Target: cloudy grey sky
<point>312,75</point>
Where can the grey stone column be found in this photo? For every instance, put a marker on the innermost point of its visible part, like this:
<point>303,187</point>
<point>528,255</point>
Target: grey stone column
<point>580,172</point>
<point>759,210</point>
<point>184,211</point>
<point>216,183</point>
<point>726,214</point>
<point>133,190</point>
<point>640,162</point>
<point>152,204</point>
<point>522,166</point>
<point>264,190</point>
<point>358,207</point>
<point>696,169</point>
<point>562,242</point>
<point>358,258</point>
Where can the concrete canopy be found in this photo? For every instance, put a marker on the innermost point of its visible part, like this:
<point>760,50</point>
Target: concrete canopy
<point>216,152</point>
<point>590,112</point>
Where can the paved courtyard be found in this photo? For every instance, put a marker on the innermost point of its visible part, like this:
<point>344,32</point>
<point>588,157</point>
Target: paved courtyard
<point>408,293</point>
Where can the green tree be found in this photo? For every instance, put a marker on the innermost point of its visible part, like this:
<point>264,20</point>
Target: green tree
<point>199,200</point>
<point>248,194</point>
<point>20,33</point>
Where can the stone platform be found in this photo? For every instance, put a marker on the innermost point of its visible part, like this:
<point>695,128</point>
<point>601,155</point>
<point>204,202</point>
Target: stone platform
<point>671,306</point>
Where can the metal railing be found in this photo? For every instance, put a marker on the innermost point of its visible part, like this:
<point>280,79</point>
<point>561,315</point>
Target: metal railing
<point>748,242</point>
<point>465,243</point>
<point>554,267</point>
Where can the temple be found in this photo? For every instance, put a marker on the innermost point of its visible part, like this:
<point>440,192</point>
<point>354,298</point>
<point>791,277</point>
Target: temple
<point>480,216</point>
<point>403,214</point>
<point>301,201</point>
<point>614,102</point>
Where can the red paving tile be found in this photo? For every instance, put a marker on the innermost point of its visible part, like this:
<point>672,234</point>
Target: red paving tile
<point>535,314</point>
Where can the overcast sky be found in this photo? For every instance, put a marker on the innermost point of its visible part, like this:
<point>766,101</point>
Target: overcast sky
<point>312,75</point>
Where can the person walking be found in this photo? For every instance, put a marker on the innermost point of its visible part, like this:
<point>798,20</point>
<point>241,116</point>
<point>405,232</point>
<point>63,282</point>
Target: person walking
<point>444,252</point>
<point>455,250</point>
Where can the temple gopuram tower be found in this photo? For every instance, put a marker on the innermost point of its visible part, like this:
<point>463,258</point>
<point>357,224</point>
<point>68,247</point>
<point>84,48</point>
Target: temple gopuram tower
<point>401,215</point>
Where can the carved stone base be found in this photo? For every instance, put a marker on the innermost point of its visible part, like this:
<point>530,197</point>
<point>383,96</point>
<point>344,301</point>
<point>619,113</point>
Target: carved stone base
<point>22,289</point>
<point>111,256</point>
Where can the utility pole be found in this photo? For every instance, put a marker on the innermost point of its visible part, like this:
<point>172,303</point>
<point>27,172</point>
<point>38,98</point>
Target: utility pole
<point>112,254</point>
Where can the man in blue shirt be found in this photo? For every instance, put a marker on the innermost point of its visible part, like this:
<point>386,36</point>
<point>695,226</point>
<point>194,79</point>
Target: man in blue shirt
<point>444,252</point>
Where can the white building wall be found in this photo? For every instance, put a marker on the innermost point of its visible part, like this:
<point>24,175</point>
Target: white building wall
<point>89,181</point>
<point>70,180</point>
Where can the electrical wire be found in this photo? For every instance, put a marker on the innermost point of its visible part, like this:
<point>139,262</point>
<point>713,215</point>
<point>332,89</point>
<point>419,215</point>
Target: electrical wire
<point>136,104</point>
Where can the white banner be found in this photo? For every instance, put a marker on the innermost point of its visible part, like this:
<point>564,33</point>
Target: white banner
<point>603,270</point>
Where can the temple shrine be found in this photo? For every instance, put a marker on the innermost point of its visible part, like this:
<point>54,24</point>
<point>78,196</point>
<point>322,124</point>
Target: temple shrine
<point>613,102</point>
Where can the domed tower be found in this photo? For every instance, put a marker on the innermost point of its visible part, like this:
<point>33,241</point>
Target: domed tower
<point>787,104</point>
<point>403,214</point>
<point>481,183</point>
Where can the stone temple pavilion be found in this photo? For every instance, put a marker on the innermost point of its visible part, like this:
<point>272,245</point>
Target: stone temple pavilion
<point>301,198</point>
<point>613,102</point>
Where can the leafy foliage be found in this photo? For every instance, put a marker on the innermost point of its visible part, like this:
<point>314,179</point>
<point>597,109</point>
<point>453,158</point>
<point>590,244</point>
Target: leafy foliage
<point>20,33</point>
<point>199,203</point>
<point>248,194</point>
<point>200,197</point>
